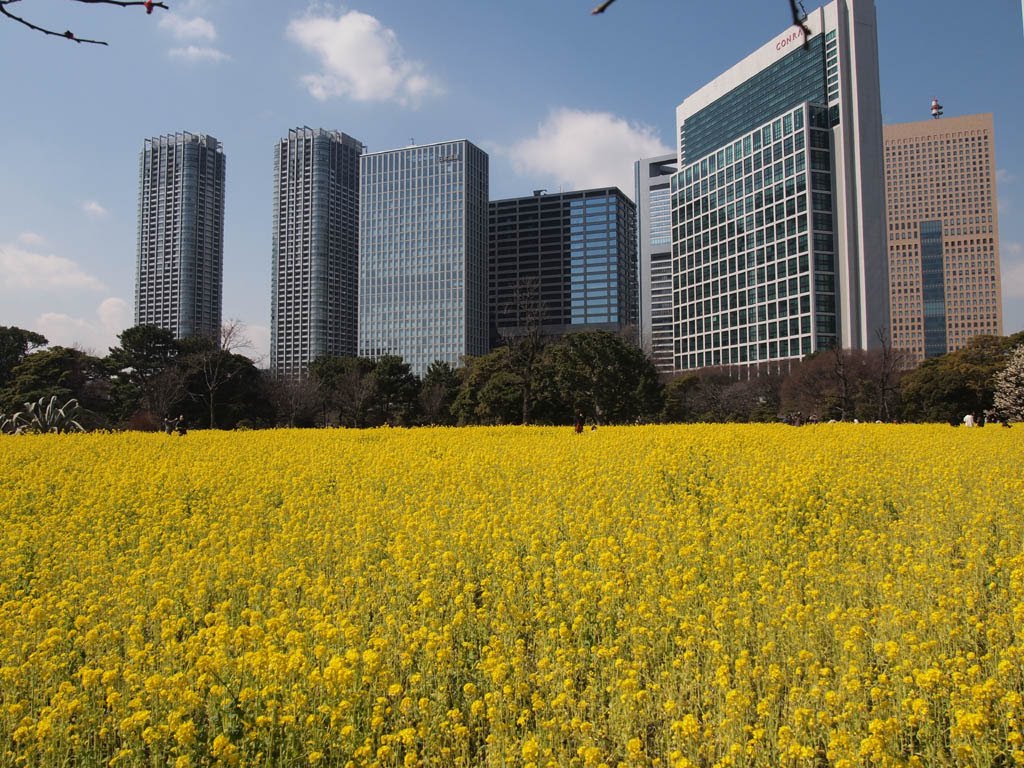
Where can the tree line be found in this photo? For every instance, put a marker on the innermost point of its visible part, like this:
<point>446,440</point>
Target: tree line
<point>598,377</point>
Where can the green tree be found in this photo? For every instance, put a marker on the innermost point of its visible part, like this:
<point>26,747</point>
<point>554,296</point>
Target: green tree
<point>396,392</point>
<point>296,400</point>
<point>479,401</point>
<point>438,390</point>
<point>63,373</point>
<point>346,388</point>
<point>15,344</point>
<point>143,367</point>
<point>606,378</point>
<point>209,365</point>
<point>678,398</point>
<point>947,387</point>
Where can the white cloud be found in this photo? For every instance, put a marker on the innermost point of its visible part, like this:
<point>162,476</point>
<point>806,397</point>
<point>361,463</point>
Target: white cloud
<point>259,339</point>
<point>22,270</point>
<point>192,29</point>
<point>1003,176</point>
<point>360,59</point>
<point>94,209</point>
<point>198,53</point>
<point>96,334</point>
<point>31,239</point>
<point>196,28</point>
<point>582,150</point>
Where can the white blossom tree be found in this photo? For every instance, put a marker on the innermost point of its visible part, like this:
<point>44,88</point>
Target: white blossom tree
<point>1009,395</point>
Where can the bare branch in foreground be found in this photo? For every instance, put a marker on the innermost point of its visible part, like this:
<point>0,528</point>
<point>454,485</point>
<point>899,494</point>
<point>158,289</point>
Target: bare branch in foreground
<point>67,34</point>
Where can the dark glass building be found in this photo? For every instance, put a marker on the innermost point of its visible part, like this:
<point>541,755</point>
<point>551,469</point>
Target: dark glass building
<point>565,262</point>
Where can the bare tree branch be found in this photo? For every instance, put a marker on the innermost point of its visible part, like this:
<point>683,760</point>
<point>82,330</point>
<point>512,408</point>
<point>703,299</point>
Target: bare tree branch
<point>67,34</point>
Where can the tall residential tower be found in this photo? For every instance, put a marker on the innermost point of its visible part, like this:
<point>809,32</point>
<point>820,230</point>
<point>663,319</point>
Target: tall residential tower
<point>423,253</point>
<point>315,249</point>
<point>943,217</point>
<point>778,245</point>
<point>179,269</point>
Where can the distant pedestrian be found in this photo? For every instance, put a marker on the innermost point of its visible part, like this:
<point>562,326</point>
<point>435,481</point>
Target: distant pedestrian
<point>179,425</point>
<point>969,420</point>
<point>578,423</point>
<point>169,424</point>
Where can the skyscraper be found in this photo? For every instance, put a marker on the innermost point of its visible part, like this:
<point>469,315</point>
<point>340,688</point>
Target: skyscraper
<point>315,249</point>
<point>654,247</point>
<point>423,253</point>
<point>178,277</point>
<point>943,218</point>
<point>563,262</point>
<point>778,205</point>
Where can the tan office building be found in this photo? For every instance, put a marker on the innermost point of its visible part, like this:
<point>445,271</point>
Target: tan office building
<point>943,234</point>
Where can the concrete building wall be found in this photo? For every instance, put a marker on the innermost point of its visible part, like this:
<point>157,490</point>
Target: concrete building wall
<point>654,252</point>
<point>943,233</point>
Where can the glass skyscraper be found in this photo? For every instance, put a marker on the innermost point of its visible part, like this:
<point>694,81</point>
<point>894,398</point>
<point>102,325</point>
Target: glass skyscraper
<point>179,269</point>
<point>563,262</point>
<point>778,241</point>
<point>315,249</point>
<point>423,253</point>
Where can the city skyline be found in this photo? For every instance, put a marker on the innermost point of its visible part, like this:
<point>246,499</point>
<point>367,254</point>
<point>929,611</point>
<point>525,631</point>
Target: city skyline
<point>67,207</point>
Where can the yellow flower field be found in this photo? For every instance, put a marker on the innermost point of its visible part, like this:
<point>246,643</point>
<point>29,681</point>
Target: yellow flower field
<point>838,595</point>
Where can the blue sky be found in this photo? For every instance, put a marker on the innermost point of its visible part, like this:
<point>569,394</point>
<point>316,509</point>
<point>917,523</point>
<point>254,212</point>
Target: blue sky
<point>557,97</point>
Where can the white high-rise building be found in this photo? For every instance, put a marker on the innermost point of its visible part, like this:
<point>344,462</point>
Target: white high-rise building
<point>180,254</point>
<point>315,249</point>
<point>778,241</point>
<point>654,247</point>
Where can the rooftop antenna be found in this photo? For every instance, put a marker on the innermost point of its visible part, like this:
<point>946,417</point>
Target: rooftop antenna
<point>936,109</point>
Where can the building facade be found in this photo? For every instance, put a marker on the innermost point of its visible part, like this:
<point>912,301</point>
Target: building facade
<point>423,253</point>
<point>943,232</point>
<point>180,253</point>
<point>654,249</point>
<point>561,263</point>
<point>315,249</point>
<point>778,240</point>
